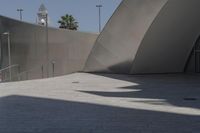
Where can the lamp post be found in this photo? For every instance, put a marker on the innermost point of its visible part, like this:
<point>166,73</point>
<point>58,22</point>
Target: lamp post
<point>20,13</point>
<point>47,44</point>
<point>99,7</point>
<point>9,54</point>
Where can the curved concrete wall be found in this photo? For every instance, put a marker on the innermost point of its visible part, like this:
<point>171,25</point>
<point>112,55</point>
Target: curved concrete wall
<point>169,41</point>
<point>145,36</point>
<point>119,41</point>
<point>68,49</point>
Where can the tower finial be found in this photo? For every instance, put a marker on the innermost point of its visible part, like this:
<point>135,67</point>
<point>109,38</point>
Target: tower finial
<point>42,14</point>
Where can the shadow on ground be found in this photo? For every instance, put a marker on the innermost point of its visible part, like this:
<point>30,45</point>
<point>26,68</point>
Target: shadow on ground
<point>178,89</point>
<point>19,114</point>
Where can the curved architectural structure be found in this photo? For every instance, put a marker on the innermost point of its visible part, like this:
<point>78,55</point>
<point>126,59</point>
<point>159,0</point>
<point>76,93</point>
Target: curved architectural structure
<point>142,37</point>
<point>146,36</point>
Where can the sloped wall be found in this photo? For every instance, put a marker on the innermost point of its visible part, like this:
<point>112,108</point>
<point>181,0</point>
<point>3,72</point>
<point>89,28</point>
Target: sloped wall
<point>118,43</point>
<point>147,37</point>
<point>169,41</point>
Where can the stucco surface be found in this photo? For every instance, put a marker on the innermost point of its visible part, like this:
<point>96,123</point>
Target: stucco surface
<point>67,49</point>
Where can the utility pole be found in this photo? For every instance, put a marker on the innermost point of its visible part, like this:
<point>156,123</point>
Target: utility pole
<point>20,13</point>
<point>99,8</point>
<point>9,55</point>
<point>47,44</point>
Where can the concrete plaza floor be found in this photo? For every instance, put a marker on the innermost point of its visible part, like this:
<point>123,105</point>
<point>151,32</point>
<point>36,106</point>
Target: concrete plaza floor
<point>88,103</point>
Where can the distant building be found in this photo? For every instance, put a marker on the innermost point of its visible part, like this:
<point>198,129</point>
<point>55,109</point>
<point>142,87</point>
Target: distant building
<point>42,14</point>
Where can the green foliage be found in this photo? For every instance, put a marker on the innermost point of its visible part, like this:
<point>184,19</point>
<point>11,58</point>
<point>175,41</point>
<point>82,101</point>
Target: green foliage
<point>68,22</point>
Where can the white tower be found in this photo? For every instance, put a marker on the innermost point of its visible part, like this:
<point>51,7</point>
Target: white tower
<point>42,15</point>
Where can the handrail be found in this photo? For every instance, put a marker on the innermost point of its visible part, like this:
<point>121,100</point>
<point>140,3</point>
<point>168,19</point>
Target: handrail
<point>28,71</point>
<point>8,67</point>
<point>42,70</point>
<point>35,68</point>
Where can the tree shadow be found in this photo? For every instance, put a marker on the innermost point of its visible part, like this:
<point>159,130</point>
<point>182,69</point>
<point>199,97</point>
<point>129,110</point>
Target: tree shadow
<point>20,114</point>
<point>177,89</point>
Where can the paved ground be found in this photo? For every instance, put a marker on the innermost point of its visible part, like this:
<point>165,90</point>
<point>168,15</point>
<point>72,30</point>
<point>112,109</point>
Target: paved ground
<point>86,103</point>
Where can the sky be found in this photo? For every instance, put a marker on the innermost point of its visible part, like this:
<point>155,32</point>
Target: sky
<point>84,11</point>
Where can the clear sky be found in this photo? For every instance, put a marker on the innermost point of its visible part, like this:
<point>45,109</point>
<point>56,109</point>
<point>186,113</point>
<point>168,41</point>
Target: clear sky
<point>84,11</point>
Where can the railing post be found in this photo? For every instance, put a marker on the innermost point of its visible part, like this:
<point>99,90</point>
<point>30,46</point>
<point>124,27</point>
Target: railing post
<point>19,73</point>
<point>53,68</point>
<point>3,76</point>
<point>42,69</point>
<point>26,75</point>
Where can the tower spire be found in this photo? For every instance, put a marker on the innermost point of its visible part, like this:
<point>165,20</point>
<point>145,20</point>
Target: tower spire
<point>42,13</point>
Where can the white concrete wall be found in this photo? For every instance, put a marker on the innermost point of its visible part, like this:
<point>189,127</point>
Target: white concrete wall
<point>119,41</point>
<point>168,42</point>
<point>69,49</point>
<point>147,36</point>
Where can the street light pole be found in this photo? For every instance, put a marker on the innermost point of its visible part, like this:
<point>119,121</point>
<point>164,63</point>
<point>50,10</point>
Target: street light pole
<point>9,55</point>
<point>99,6</point>
<point>47,44</point>
<point>20,13</point>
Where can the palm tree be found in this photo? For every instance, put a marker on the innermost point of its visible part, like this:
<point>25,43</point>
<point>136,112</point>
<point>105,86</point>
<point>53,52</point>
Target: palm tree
<point>68,22</point>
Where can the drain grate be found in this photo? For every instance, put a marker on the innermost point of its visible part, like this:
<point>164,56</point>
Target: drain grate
<point>75,82</point>
<point>190,99</point>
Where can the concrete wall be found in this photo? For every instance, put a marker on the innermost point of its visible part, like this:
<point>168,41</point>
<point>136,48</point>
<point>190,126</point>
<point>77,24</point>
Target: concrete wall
<point>147,36</point>
<point>142,37</point>
<point>68,49</point>
<point>169,41</point>
<point>118,43</point>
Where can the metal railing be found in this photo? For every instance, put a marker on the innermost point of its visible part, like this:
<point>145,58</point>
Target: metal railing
<point>19,75</point>
<point>9,68</point>
<point>29,74</point>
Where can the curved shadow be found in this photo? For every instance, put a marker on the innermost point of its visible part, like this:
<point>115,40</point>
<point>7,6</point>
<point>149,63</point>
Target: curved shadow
<point>179,90</point>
